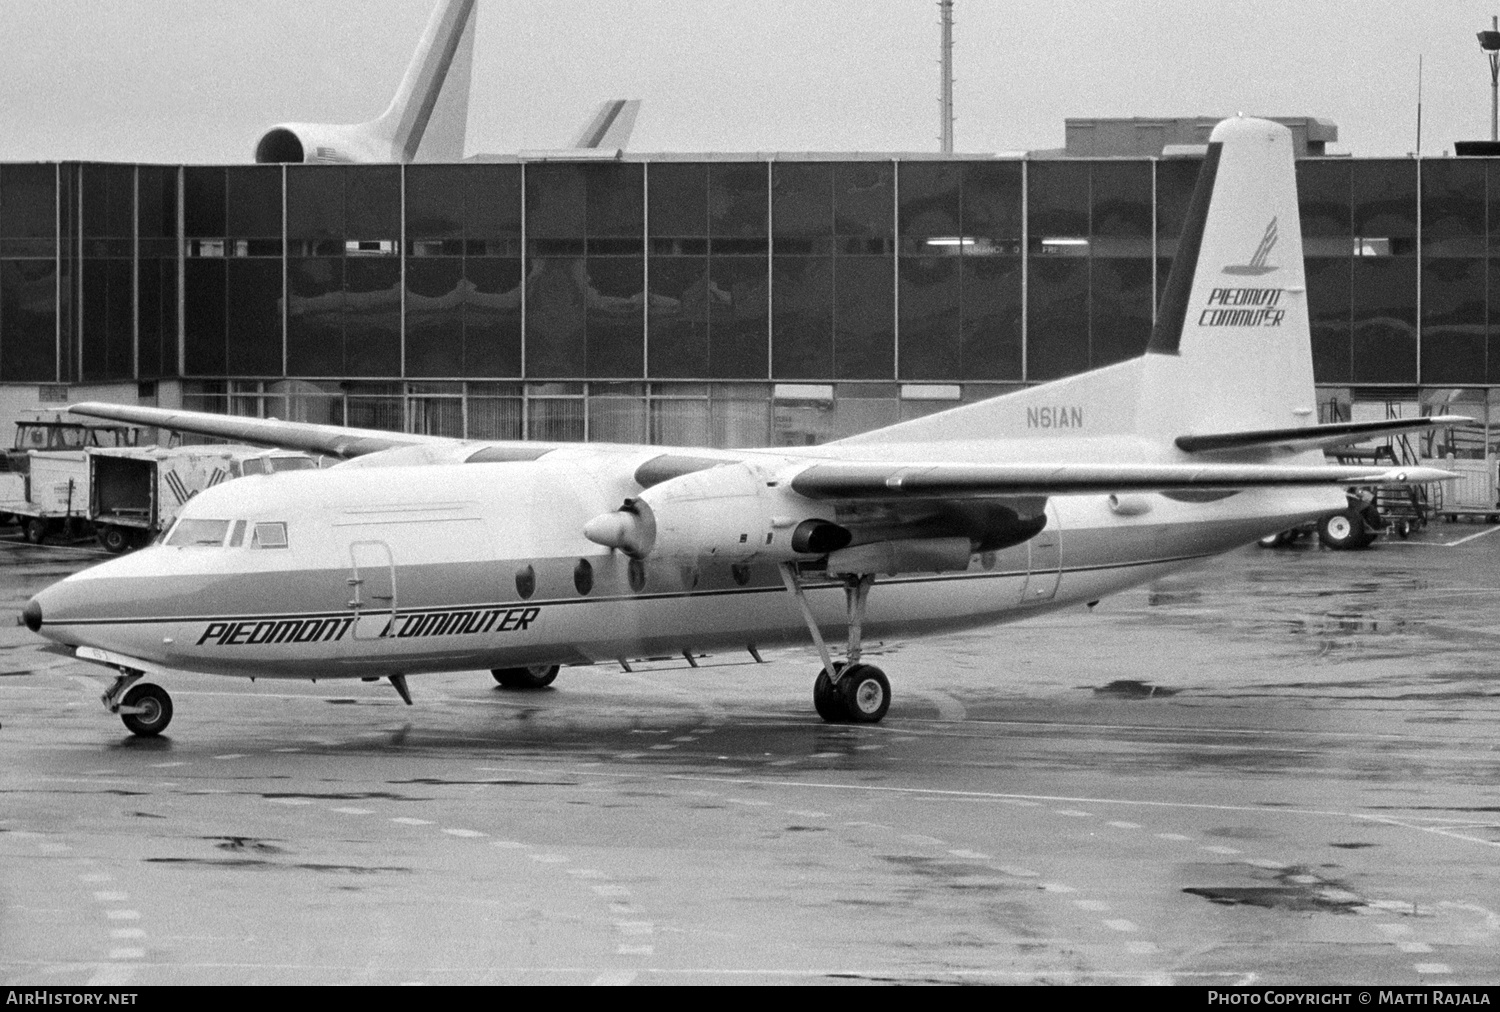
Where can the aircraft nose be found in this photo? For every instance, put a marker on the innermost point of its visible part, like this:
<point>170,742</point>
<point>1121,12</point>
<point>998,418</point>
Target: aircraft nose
<point>31,615</point>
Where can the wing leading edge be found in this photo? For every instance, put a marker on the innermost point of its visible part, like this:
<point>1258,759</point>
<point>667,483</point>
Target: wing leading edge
<point>858,480</point>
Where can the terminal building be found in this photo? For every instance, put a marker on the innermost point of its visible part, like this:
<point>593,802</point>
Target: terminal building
<point>723,299</point>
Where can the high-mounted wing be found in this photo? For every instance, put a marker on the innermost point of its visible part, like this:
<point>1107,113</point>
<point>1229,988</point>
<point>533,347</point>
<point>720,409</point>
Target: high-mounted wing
<point>870,480</point>
<point>1313,437</point>
<point>333,440</point>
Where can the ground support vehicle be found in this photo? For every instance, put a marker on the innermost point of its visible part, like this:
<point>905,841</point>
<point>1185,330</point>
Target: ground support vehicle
<point>51,431</point>
<point>136,493</point>
<point>50,499</point>
<point>1474,495</point>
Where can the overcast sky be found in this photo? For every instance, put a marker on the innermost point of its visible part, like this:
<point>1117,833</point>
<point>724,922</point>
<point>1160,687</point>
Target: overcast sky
<point>200,80</point>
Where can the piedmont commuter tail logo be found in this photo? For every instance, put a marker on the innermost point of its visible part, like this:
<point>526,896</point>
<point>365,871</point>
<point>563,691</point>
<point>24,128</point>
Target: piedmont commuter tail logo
<point>1257,264</point>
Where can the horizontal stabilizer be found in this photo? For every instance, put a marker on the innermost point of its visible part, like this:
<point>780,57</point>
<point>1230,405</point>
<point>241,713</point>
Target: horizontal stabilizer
<point>610,126</point>
<point>1313,437</point>
<point>968,481</point>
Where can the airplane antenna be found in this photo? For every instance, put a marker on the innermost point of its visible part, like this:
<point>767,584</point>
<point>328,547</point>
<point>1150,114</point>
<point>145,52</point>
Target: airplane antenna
<point>945,99</point>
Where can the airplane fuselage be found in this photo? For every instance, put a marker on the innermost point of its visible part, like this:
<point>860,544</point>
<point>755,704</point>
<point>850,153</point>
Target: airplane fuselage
<point>401,570</point>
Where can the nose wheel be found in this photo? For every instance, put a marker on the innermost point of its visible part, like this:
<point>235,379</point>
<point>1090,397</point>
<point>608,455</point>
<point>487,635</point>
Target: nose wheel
<point>146,709</point>
<point>847,691</point>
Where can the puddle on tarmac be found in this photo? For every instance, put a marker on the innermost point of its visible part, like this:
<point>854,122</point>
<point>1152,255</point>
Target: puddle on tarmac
<point>1129,688</point>
<point>1293,889</point>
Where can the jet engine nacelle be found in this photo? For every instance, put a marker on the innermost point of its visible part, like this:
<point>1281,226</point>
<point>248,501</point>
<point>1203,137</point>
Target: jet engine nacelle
<point>324,142</point>
<point>733,512</point>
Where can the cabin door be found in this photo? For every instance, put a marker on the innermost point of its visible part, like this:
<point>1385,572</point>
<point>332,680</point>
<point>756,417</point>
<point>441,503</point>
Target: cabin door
<point>1046,560</point>
<point>372,590</point>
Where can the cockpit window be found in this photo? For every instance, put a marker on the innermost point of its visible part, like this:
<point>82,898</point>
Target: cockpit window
<point>269,536</point>
<point>238,537</point>
<point>255,465</point>
<point>199,532</point>
<point>292,464</point>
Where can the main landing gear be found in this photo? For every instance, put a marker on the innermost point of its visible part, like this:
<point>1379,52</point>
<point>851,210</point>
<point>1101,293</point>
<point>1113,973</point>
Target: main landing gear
<point>847,691</point>
<point>146,709</point>
<point>537,676</point>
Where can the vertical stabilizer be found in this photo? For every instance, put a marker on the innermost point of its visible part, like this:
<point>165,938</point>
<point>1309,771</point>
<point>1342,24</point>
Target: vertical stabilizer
<point>1232,349</point>
<point>610,126</point>
<point>438,76</point>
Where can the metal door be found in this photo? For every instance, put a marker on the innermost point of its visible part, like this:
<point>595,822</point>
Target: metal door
<point>372,589</point>
<point>1046,560</point>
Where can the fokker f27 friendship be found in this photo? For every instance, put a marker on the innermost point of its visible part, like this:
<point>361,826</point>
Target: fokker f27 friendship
<point>419,553</point>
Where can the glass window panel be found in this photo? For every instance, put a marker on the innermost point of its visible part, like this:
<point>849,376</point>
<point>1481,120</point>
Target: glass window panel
<point>1058,198</point>
<point>1384,197</point>
<point>94,318</point>
<point>802,198</point>
<point>678,192</point>
<point>149,322</point>
<point>931,198</point>
<point>1119,309</point>
<point>616,199</point>
<point>254,197</point>
<point>372,326</point>
<point>202,201</point>
<point>434,317</point>
<point>740,414</point>
<point>992,202</point>
<point>1492,342</point>
<point>615,323</point>
<point>495,417</point>
<point>315,202</point>
<point>156,212</point>
<point>311,402</point>
<point>492,201</point>
<point>379,412</point>
<point>492,316</point>
<point>254,322</point>
<point>1121,193</point>
<point>557,419</point>
<point>864,335</point>
<point>930,326</point>
<point>1453,198</point>
<point>374,202</point>
<point>1324,195</point>
<point>203,320</point>
<point>436,416</point>
<point>435,201</point>
<point>989,319</point>
<point>1328,306</point>
<point>617,419</point>
<point>1384,322</point>
<point>315,316</point>
<point>28,201</point>
<point>28,305</point>
<point>1453,320</point>
<point>863,199</point>
<point>1175,180</point>
<point>802,317</point>
<point>737,199</point>
<point>680,422</point>
<point>1058,304</point>
<point>556,201</point>
<point>738,303</point>
<point>678,315</point>
<point>556,291</point>
<point>108,200</point>
<point>119,353</point>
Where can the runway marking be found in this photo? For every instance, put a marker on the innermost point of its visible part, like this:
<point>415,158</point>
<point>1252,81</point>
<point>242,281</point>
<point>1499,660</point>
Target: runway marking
<point>294,802</point>
<point>1057,887</point>
<point>124,953</point>
<point>586,873</point>
<point>407,820</point>
<point>636,950</point>
<point>111,897</point>
<point>1140,948</point>
<point>467,833</point>
<point>231,755</point>
<point>686,737</point>
<point>1125,825</point>
<point>1010,869</point>
<point>352,811</point>
<point>127,933</point>
<point>970,855</point>
<point>1433,967</point>
<point>1261,862</point>
<point>1072,813</point>
<point>1414,948</point>
<point>1097,906</point>
<point>1121,925</point>
<point>615,978</point>
<point>826,755</point>
<point>123,915</point>
<point>280,749</point>
<point>1220,850</point>
<point>918,838</point>
<point>806,814</point>
<point>1172,836</point>
<point>662,748</point>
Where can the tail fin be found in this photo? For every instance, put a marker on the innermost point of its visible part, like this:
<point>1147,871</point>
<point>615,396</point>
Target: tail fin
<point>610,126</point>
<point>1231,349</point>
<point>428,115</point>
<point>433,99</point>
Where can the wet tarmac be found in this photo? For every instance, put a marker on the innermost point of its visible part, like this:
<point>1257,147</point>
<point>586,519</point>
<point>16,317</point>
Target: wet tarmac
<point>1283,767</point>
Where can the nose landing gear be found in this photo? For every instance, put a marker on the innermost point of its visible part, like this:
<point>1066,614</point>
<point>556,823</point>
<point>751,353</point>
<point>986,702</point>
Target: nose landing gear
<point>847,691</point>
<point>146,709</point>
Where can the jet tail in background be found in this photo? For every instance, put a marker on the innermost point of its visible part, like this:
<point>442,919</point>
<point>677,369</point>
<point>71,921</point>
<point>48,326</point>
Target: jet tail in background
<point>426,120</point>
<point>610,126</point>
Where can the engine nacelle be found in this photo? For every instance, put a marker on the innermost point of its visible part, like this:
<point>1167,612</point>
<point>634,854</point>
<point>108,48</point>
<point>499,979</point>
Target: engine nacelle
<point>324,142</point>
<point>734,512</point>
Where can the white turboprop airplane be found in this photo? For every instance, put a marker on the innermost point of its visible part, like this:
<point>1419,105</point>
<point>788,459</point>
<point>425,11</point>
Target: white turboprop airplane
<point>425,554</point>
<point>427,119</point>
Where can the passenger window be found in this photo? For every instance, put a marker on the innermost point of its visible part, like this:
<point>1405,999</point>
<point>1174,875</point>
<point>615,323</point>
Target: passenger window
<point>526,582</point>
<point>269,536</point>
<point>583,576</point>
<point>238,537</point>
<point>199,533</point>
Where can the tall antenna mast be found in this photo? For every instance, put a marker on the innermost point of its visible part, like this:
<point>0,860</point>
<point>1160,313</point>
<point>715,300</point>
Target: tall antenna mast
<point>945,137</point>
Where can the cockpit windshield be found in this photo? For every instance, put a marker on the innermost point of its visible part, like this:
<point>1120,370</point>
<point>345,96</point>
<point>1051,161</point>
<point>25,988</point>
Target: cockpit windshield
<point>199,532</point>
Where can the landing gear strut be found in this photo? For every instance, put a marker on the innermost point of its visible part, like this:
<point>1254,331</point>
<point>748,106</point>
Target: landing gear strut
<point>146,709</point>
<point>845,692</point>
